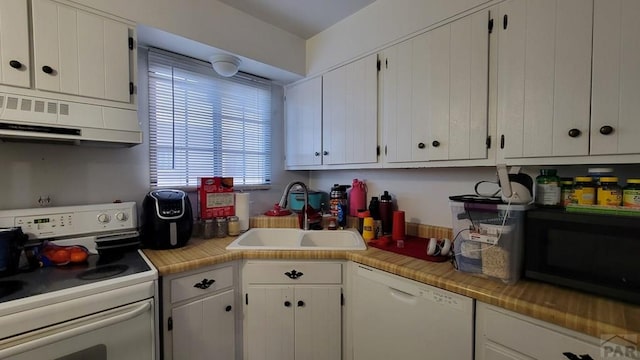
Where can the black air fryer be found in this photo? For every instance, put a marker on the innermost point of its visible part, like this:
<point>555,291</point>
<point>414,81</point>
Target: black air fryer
<point>167,219</point>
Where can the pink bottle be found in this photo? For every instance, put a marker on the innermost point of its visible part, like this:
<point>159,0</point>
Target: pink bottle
<point>357,197</point>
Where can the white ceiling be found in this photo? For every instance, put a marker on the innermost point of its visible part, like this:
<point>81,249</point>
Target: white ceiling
<point>304,18</point>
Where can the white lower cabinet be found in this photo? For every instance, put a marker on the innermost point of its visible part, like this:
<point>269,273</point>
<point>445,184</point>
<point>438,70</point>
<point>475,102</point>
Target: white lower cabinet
<point>292,310</point>
<point>504,335</point>
<point>397,318</point>
<point>199,314</point>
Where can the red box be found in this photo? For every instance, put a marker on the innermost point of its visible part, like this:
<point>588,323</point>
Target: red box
<point>216,197</point>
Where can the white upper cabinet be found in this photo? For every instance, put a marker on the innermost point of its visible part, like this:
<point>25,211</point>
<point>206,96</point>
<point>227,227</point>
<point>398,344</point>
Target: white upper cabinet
<point>80,53</point>
<point>615,109</point>
<point>544,77</point>
<point>350,113</point>
<point>15,65</point>
<point>434,93</point>
<point>303,123</point>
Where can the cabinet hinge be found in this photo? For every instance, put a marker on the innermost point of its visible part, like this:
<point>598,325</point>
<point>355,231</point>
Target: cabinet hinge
<point>505,21</point>
<point>170,324</point>
<point>246,299</point>
<point>490,26</point>
<point>341,299</point>
<point>131,88</point>
<point>385,150</point>
<point>502,141</point>
<point>130,43</point>
<point>488,142</point>
<point>378,64</point>
<point>386,63</point>
<point>378,150</point>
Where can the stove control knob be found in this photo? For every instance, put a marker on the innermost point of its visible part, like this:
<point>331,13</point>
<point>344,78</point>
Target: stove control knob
<point>121,216</point>
<point>104,218</point>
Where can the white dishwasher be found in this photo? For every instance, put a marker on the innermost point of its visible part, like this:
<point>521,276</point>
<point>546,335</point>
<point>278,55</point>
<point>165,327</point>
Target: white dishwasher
<point>397,318</point>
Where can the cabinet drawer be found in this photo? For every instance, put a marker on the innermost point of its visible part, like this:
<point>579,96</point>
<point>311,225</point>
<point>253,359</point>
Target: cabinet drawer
<point>515,332</point>
<point>196,284</point>
<point>293,273</point>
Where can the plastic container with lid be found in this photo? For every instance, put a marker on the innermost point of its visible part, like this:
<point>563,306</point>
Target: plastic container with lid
<point>609,192</point>
<point>566,191</point>
<point>548,188</point>
<point>584,191</point>
<point>631,194</point>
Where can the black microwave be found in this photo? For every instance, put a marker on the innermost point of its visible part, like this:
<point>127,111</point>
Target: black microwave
<point>589,252</point>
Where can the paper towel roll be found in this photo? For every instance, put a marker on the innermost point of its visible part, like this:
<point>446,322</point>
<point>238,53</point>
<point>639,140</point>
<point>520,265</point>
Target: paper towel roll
<point>242,210</point>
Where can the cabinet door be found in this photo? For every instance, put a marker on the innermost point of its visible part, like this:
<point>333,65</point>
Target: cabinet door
<point>544,77</point>
<point>457,60</point>
<point>435,93</point>
<point>270,323</point>
<point>616,77</point>
<point>80,53</point>
<point>205,328</point>
<point>318,322</point>
<point>349,113</point>
<point>14,43</point>
<point>303,123</point>
<point>405,128</point>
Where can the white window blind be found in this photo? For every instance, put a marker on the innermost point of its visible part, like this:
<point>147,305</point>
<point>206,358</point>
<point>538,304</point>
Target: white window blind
<point>201,124</point>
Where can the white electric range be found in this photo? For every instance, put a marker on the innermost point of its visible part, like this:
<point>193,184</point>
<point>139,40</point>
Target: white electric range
<point>103,309</point>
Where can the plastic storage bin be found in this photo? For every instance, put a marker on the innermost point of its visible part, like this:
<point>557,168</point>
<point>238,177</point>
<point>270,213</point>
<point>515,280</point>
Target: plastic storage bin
<point>486,243</point>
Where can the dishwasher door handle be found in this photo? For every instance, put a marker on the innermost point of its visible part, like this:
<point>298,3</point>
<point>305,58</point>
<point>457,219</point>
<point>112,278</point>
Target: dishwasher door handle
<point>75,331</point>
<point>403,296</point>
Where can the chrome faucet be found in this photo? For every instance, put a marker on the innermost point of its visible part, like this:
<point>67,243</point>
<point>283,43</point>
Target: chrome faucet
<point>285,196</point>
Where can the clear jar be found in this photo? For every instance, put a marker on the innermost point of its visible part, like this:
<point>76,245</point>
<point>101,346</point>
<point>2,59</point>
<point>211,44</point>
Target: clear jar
<point>208,229</point>
<point>584,191</point>
<point>221,227</point>
<point>548,188</point>
<point>631,194</point>
<point>566,191</point>
<point>609,192</point>
<point>233,226</point>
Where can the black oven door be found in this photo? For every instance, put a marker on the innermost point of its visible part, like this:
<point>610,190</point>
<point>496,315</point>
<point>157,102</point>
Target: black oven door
<point>589,252</point>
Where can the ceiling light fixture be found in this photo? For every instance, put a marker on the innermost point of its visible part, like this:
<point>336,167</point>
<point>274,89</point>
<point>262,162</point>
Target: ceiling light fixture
<point>225,65</point>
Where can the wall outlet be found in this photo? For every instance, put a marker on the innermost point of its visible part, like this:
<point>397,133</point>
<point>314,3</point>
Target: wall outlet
<point>44,200</point>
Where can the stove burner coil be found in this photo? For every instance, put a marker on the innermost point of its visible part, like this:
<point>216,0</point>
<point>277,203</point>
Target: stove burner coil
<point>103,272</point>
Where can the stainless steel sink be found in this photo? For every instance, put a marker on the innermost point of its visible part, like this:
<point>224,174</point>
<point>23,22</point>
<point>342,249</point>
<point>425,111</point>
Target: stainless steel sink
<point>296,239</point>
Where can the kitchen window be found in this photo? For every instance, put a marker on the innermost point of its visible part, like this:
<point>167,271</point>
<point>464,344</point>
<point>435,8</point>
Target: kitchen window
<point>202,124</point>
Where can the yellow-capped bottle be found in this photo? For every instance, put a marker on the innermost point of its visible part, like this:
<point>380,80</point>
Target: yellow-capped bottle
<point>584,191</point>
<point>609,192</point>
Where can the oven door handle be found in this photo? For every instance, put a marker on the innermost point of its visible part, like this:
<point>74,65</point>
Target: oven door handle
<point>63,335</point>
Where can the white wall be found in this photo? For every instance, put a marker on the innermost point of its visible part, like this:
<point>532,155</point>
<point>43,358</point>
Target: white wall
<point>215,24</point>
<point>424,193</point>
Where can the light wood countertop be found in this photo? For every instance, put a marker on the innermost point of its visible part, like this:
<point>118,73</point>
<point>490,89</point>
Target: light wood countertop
<point>589,314</point>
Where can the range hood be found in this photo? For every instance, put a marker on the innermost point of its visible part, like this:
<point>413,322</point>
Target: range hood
<point>26,118</point>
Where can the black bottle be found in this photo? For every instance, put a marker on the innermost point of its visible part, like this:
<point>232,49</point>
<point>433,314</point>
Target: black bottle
<point>386,212</point>
<point>374,208</point>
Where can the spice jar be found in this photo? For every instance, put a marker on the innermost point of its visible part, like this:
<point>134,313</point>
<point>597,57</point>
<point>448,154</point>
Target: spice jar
<point>584,191</point>
<point>233,226</point>
<point>609,193</point>
<point>631,194</point>
<point>221,227</point>
<point>208,229</point>
<point>548,188</point>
